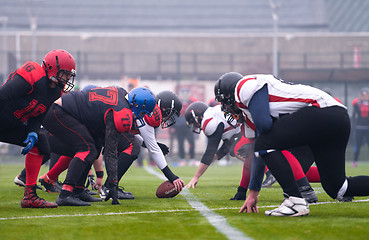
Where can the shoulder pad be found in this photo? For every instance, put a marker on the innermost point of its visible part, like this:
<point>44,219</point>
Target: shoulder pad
<point>31,72</point>
<point>123,120</point>
<point>155,119</point>
<point>245,89</point>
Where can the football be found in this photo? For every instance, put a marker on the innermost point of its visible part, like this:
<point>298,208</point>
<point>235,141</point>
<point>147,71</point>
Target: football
<point>166,190</point>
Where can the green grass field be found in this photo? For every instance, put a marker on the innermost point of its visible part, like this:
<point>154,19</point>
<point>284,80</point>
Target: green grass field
<point>147,217</point>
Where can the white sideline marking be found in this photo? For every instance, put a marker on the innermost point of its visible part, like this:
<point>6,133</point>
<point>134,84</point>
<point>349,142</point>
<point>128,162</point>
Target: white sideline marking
<point>153,211</point>
<point>219,222</point>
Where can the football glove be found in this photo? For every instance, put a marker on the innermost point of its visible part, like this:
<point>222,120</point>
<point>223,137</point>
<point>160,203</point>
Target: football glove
<point>30,141</point>
<point>164,148</point>
<point>246,150</point>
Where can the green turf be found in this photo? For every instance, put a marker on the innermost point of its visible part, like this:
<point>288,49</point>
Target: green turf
<point>132,219</point>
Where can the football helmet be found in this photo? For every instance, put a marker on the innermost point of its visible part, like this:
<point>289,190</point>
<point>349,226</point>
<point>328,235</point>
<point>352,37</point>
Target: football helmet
<point>142,102</point>
<point>194,115</point>
<point>224,93</point>
<point>60,68</point>
<point>170,106</point>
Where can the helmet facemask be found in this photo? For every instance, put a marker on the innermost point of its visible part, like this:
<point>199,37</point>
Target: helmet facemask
<point>168,115</point>
<point>195,123</point>
<point>233,115</point>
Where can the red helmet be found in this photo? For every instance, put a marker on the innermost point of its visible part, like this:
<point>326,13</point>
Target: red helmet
<point>60,68</point>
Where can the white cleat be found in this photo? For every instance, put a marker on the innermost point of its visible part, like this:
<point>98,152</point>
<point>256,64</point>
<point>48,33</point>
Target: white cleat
<point>291,207</point>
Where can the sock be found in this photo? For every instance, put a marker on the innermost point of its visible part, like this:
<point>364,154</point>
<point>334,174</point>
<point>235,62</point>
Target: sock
<point>59,167</point>
<point>246,174</point>
<point>78,189</point>
<point>298,173</point>
<point>313,175</point>
<point>66,193</point>
<point>303,182</point>
<point>281,170</point>
<point>33,165</point>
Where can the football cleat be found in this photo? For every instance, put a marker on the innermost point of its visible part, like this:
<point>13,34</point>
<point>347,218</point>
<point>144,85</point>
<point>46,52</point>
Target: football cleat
<point>346,199</point>
<point>241,194</point>
<point>269,180</point>
<point>20,182</point>
<point>121,194</point>
<point>84,196</point>
<point>291,207</point>
<point>48,184</point>
<point>31,200</point>
<point>71,200</point>
<point>308,193</point>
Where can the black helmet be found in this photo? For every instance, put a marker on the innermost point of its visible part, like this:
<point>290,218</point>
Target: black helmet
<point>225,86</point>
<point>194,114</point>
<point>170,106</point>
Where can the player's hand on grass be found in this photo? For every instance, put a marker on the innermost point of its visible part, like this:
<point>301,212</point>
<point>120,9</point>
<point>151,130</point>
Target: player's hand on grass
<point>250,204</point>
<point>192,183</point>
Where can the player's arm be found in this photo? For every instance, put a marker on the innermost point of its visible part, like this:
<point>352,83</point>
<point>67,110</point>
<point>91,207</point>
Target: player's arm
<point>13,89</point>
<point>209,156</point>
<point>147,133</point>
<point>110,148</point>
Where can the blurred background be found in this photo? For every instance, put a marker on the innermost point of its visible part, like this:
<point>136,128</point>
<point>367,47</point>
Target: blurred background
<point>184,46</point>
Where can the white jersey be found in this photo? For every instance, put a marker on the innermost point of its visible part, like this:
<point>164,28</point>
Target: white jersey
<point>284,98</point>
<point>214,116</point>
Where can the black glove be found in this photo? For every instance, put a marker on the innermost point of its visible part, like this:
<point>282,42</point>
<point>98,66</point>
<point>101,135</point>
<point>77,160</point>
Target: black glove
<point>241,194</point>
<point>164,148</point>
<point>113,193</point>
<point>246,150</point>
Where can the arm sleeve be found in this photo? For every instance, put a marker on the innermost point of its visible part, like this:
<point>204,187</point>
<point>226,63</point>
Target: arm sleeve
<point>260,112</point>
<point>213,143</point>
<point>257,174</point>
<point>147,132</point>
<point>13,89</point>
<point>110,148</point>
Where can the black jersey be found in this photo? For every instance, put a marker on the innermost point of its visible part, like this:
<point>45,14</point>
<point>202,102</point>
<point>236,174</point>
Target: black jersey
<point>26,96</point>
<point>90,108</point>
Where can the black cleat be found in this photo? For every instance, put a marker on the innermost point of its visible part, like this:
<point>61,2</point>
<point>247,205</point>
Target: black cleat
<point>84,196</point>
<point>241,194</point>
<point>124,195</point>
<point>346,199</point>
<point>48,184</point>
<point>71,200</point>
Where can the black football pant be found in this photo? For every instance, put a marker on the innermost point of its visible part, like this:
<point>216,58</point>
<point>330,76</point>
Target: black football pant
<point>326,132</point>
<point>69,137</point>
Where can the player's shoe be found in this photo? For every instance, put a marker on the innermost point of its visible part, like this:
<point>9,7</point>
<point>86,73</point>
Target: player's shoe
<point>19,181</point>
<point>84,196</point>
<point>291,207</point>
<point>90,192</point>
<point>58,185</point>
<point>48,184</point>
<point>346,199</point>
<point>121,194</point>
<point>31,200</point>
<point>241,194</point>
<point>269,180</point>
<point>124,195</point>
<point>71,200</point>
<point>309,194</point>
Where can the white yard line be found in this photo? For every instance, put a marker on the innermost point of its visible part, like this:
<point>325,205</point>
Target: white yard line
<point>219,222</point>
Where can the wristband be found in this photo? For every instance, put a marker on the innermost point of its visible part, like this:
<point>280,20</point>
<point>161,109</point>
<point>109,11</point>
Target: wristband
<point>100,174</point>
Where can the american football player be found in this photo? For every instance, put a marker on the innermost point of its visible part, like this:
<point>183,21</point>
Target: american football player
<point>24,100</point>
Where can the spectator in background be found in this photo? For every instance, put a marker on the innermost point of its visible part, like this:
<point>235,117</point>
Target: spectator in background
<point>183,132</point>
<point>360,121</point>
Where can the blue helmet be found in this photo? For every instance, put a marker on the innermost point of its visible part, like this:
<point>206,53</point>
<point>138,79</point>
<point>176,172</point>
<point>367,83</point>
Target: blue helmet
<point>142,101</point>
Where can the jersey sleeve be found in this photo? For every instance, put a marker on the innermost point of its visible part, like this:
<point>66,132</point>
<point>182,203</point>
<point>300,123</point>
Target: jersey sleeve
<point>123,120</point>
<point>155,119</point>
<point>31,72</point>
